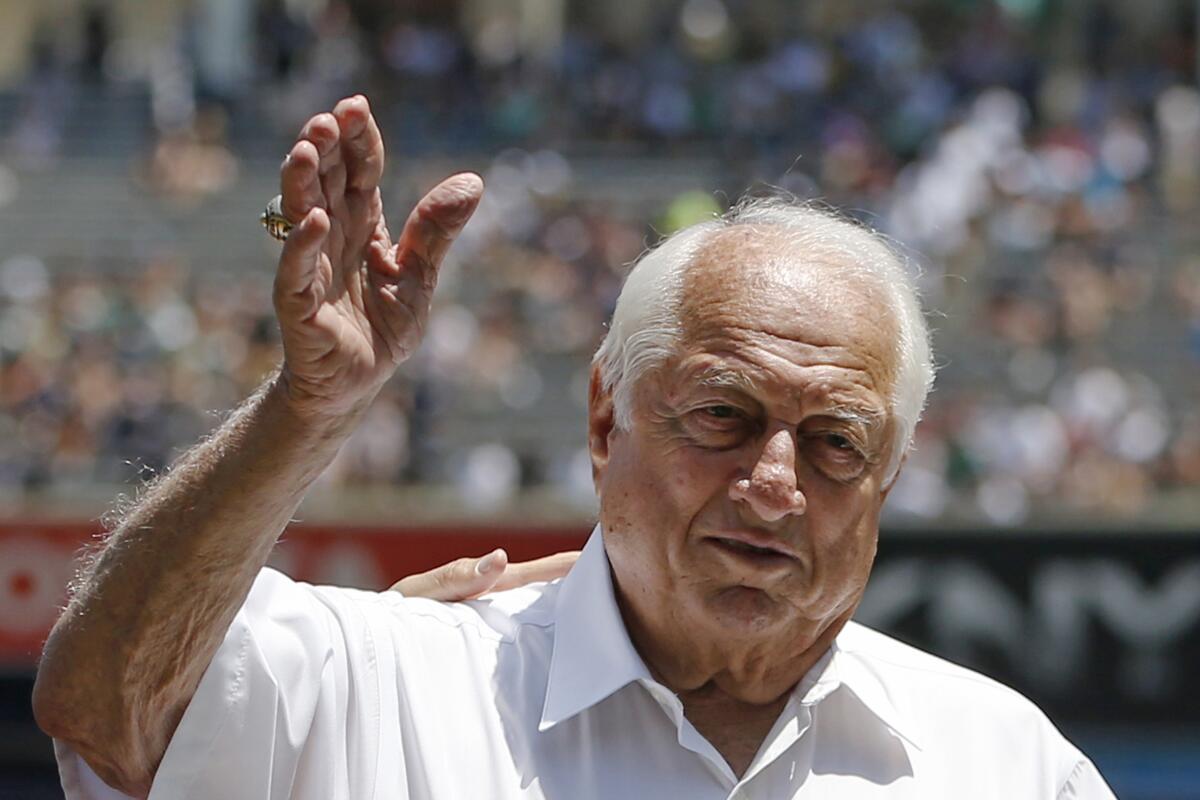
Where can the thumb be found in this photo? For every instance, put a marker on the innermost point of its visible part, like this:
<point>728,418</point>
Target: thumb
<point>486,573</point>
<point>298,289</point>
<point>463,579</point>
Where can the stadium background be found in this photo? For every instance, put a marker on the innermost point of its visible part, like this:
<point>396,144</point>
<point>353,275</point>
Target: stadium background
<point>1039,159</point>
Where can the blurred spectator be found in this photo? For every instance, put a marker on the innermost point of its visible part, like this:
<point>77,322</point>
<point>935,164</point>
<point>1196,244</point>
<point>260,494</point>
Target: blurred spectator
<point>192,163</point>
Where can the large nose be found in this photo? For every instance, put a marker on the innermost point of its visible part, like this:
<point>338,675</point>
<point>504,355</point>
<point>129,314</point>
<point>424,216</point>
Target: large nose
<point>771,491</point>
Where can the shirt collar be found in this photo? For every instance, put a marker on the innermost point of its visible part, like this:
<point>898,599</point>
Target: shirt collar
<point>593,656</point>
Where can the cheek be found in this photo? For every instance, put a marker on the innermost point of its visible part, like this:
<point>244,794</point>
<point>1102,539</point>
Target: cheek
<point>692,478</point>
<point>846,554</point>
<point>649,496</point>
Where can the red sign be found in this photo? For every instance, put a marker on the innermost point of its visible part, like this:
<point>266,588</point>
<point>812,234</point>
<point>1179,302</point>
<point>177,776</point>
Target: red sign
<point>37,562</point>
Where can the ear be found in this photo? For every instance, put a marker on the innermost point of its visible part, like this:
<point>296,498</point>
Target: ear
<point>602,422</point>
<point>883,495</point>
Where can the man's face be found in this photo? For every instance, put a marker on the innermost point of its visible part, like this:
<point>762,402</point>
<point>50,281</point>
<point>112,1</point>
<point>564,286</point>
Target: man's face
<point>744,499</point>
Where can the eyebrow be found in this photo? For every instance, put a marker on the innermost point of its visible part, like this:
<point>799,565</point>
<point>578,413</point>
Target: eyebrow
<point>720,377</point>
<point>715,377</point>
<point>867,417</point>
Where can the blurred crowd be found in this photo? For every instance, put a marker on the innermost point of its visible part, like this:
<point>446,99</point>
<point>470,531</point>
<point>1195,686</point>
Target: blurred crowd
<point>1045,189</point>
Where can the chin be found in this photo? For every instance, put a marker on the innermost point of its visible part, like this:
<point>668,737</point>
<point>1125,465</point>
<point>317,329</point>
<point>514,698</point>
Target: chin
<point>744,609</point>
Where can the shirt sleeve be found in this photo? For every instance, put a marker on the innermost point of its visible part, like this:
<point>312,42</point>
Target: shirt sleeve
<point>288,707</point>
<point>1085,783</point>
<point>78,780</point>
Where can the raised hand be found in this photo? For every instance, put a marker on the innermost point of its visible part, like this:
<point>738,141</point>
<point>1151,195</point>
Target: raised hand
<point>468,578</point>
<point>353,305</point>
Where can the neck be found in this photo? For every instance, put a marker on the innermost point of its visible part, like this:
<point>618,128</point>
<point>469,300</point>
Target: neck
<point>732,690</point>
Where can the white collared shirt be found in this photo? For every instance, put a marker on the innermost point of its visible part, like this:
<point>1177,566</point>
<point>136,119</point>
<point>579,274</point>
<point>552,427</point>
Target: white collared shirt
<point>319,693</point>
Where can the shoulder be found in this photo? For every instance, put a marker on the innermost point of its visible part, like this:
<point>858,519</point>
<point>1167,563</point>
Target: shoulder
<point>532,604</point>
<point>949,701</point>
<point>966,721</point>
<point>500,616</point>
<point>288,622</point>
<point>898,661</point>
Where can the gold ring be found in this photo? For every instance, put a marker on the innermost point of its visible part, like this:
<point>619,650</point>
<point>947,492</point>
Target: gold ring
<point>274,221</point>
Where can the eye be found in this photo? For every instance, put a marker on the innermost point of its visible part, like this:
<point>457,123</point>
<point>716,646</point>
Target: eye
<point>835,454</point>
<point>839,442</point>
<point>719,425</point>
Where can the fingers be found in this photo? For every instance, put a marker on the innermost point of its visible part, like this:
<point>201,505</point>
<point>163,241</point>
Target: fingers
<point>543,569</point>
<point>346,153</point>
<point>468,578</point>
<point>322,130</point>
<point>463,579</point>
<point>325,135</point>
<point>361,142</point>
<point>300,183</point>
<point>435,222</point>
<point>297,290</point>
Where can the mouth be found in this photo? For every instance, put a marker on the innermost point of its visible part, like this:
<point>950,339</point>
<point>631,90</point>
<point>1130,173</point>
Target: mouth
<point>760,554</point>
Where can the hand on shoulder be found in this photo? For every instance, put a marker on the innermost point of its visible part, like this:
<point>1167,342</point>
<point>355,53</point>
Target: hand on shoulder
<point>468,578</point>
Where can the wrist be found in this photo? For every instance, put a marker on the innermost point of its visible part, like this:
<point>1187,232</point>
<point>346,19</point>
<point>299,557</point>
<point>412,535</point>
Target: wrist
<point>311,415</point>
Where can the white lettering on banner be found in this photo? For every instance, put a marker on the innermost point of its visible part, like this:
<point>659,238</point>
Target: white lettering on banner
<point>33,580</point>
<point>971,604</point>
<point>1045,638</point>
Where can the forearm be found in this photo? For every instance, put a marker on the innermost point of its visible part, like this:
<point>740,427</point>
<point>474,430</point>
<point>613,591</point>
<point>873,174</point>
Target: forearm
<point>126,656</point>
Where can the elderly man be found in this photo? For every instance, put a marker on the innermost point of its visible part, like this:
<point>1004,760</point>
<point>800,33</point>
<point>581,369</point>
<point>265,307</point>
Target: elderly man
<point>750,409</point>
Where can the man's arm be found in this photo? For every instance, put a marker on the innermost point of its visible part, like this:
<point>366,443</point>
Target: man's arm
<point>126,656</point>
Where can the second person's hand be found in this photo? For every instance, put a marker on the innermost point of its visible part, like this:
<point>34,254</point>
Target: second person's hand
<point>468,578</point>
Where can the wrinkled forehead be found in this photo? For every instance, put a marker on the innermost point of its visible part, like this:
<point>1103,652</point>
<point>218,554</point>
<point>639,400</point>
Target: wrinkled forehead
<point>755,279</point>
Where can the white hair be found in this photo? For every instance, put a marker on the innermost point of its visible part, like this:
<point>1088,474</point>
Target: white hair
<point>646,325</point>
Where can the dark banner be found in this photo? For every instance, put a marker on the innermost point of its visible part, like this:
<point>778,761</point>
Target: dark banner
<point>1098,629</point>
